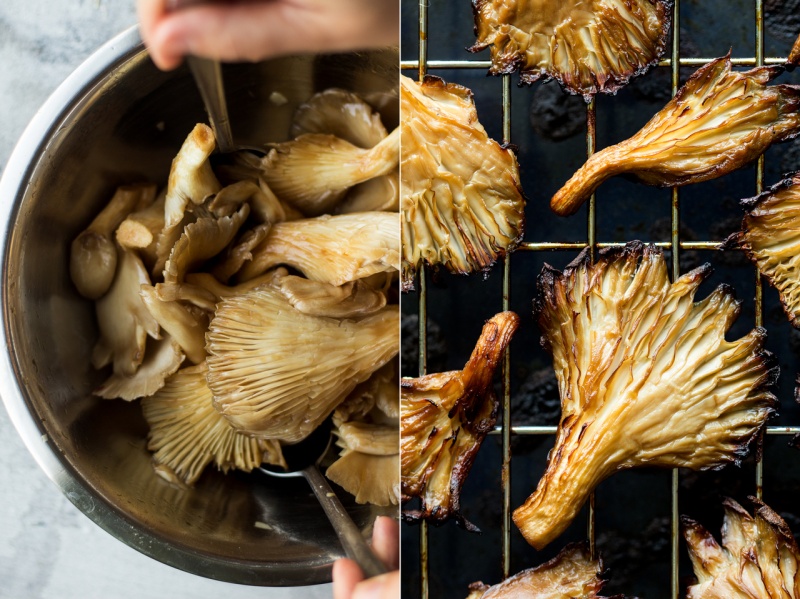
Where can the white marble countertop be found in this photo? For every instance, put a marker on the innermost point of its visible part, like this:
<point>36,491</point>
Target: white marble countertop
<point>48,549</point>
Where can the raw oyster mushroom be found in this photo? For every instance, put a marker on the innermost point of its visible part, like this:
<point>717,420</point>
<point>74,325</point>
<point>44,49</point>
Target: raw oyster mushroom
<point>770,237</point>
<point>719,121</point>
<point>444,418</point>
<point>261,380</point>
<point>460,196</point>
<point>588,46</point>
<point>759,557</point>
<point>572,574</point>
<point>645,375</point>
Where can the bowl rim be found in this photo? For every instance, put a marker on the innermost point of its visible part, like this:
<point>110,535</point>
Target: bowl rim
<point>13,186</point>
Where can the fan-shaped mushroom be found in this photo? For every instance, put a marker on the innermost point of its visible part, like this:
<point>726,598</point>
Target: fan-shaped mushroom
<point>461,200</point>
<point>162,358</point>
<point>330,249</point>
<point>572,574</point>
<point>645,375</point>
<point>278,373</point>
<point>314,171</point>
<point>443,421</point>
<point>340,113</point>
<point>770,237</point>
<point>93,254</point>
<point>588,46</point>
<point>719,121</point>
<point>759,557</point>
<point>187,433</point>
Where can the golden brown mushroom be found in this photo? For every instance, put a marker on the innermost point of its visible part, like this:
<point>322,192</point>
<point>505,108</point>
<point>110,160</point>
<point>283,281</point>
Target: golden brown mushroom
<point>588,46</point>
<point>572,574</point>
<point>461,201</point>
<point>443,420</point>
<point>646,378</point>
<point>759,557</point>
<point>770,237</point>
<point>719,121</point>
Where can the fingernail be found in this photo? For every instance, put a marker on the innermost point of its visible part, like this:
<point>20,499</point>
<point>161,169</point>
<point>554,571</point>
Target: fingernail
<point>371,588</point>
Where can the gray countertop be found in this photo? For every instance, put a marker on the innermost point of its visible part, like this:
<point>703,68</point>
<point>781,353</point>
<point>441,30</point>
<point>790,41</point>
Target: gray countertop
<point>48,549</point>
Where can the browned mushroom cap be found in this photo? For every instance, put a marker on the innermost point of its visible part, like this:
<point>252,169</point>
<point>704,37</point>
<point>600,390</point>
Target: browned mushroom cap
<point>572,573</point>
<point>461,200</point>
<point>587,46</point>
<point>770,236</point>
<point>330,249</point>
<point>123,319</point>
<point>93,255</point>
<point>719,121</point>
<point>162,358</point>
<point>369,478</point>
<point>278,373</point>
<point>314,171</point>
<point>646,378</point>
<point>444,419</point>
<point>340,113</point>
<point>187,433</point>
<point>759,557</point>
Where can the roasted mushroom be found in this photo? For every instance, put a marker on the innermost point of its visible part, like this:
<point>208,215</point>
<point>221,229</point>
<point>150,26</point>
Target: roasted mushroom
<point>587,46</point>
<point>770,237</point>
<point>278,373</point>
<point>794,55</point>
<point>460,195</point>
<point>719,121</point>
<point>572,574</point>
<point>187,433</point>
<point>646,377</point>
<point>444,418</point>
<point>759,557</point>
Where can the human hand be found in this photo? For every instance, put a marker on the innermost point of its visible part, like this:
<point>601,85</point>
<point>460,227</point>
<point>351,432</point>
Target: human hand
<point>252,30</point>
<point>348,580</point>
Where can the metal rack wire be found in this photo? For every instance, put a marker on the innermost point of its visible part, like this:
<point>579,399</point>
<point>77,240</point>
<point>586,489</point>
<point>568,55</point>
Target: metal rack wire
<point>674,62</point>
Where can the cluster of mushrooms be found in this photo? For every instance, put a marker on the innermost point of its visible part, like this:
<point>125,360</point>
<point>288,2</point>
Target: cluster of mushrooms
<point>255,297</point>
<point>634,353</point>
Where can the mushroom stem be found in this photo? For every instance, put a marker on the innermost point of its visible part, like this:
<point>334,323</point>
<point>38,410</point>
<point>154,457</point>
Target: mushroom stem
<point>93,255</point>
<point>585,181</point>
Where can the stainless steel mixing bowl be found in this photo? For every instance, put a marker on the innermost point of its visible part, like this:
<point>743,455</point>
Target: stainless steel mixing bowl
<point>116,120</point>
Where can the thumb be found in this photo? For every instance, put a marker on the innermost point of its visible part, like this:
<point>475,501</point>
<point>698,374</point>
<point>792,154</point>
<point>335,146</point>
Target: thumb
<point>385,586</point>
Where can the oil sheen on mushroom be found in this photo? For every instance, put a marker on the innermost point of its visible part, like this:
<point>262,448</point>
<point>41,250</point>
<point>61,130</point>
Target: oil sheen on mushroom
<point>645,375</point>
<point>444,418</point>
<point>461,201</point>
<point>572,574</point>
<point>758,557</point>
<point>588,46</point>
<point>719,121</point>
<point>770,237</point>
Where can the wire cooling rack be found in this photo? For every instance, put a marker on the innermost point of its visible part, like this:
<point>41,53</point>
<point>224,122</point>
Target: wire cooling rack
<point>676,245</point>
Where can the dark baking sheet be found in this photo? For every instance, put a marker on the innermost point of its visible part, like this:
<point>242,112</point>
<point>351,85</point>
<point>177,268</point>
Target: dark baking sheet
<point>633,508</point>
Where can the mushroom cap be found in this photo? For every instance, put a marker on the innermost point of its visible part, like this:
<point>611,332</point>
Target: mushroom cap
<point>369,478</point>
<point>646,378</point>
<point>340,113</point>
<point>461,200</point>
<point>759,557</point>
<point>187,433</point>
<point>589,47</point>
<point>278,373</point>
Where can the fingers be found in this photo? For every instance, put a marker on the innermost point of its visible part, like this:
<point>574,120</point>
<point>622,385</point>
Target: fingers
<point>346,575</point>
<point>385,586</point>
<point>386,541</point>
